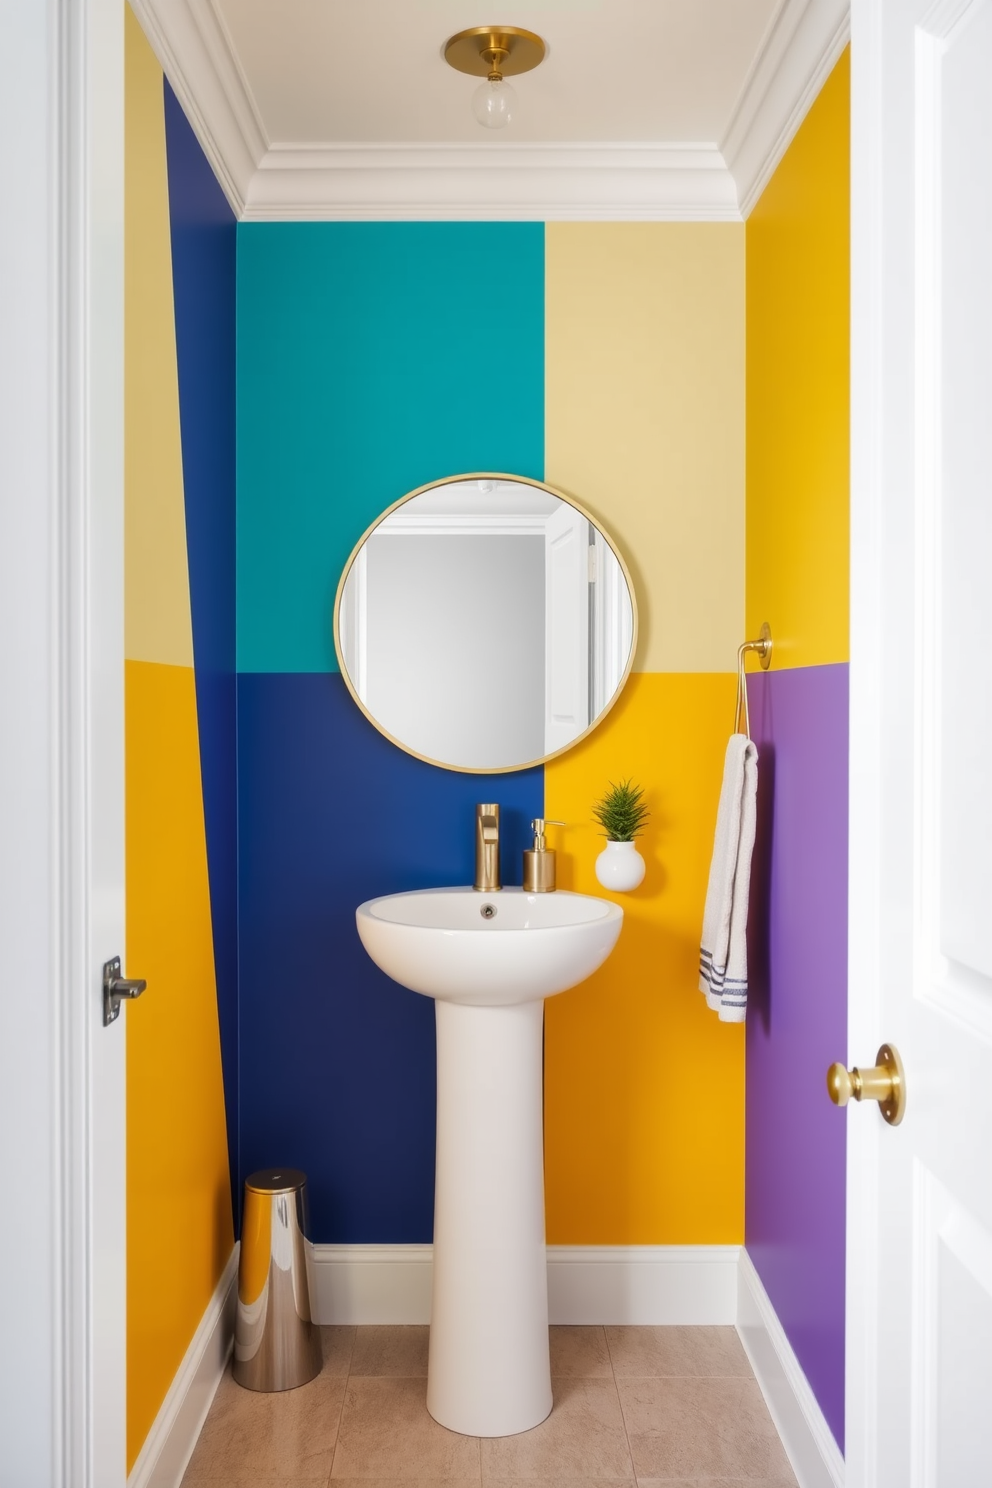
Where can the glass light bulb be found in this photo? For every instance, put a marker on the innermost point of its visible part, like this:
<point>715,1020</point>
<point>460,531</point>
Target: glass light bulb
<point>493,103</point>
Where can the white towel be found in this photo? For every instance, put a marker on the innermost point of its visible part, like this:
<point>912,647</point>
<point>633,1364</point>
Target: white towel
<point>723,953</point>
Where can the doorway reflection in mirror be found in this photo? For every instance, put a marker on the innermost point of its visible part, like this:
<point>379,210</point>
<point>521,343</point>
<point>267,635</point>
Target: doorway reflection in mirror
<point>484,624</point>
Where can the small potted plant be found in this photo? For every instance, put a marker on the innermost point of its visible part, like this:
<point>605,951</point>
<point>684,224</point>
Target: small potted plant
<point>622,814</point>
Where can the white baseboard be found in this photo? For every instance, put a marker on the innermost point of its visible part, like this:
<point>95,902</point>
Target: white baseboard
<point>815,1456</point>
<point>169,1445</point>
<point>642,1284</point>
<point>634,1284</point>
<point>586,1284</point>
<point>371,1283</point>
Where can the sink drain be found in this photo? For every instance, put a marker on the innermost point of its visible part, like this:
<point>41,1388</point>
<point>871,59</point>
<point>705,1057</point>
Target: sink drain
<point>488,911</point>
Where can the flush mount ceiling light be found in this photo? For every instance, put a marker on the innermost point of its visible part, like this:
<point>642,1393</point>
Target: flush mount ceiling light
<point>495,53</point>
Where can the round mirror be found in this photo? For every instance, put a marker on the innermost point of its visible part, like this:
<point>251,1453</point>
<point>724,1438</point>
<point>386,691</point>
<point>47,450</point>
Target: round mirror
<point>485,623</point>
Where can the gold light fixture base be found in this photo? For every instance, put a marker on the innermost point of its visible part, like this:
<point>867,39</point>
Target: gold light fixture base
<point>481,50</point>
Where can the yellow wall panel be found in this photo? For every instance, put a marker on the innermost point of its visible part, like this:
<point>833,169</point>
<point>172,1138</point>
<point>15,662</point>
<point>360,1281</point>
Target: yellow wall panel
<point>179,1227</point>
<point>157,624</point>
<point>644,399</point>
<point>644,1086</point>
<point>798,390</point>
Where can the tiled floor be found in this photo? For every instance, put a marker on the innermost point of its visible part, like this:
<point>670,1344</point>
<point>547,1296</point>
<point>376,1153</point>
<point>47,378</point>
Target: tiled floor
<point>653,1406</point>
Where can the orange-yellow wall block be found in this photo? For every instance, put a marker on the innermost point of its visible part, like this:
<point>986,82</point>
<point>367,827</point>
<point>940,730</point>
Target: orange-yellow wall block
<point>798,407</point>
<point>644,1087</point>
<point>179,1226</point>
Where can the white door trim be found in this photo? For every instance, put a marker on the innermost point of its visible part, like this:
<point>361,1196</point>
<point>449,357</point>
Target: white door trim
<point>864,872</point>
<point>62,1373</point>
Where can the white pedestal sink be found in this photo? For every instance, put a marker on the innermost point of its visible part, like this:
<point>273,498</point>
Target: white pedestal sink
<point>489,961</point>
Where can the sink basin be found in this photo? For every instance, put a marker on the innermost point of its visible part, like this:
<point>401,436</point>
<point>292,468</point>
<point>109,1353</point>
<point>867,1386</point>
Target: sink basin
<point>488,950</point>
<point>489,961</point>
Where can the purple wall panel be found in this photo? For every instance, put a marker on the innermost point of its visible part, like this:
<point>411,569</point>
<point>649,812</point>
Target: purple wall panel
<point>797,1016</point>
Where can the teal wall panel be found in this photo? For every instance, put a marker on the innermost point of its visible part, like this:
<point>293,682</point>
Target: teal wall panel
<point>372,358</point>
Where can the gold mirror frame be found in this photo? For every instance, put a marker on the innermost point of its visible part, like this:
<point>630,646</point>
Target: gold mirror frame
<point>450,480</point>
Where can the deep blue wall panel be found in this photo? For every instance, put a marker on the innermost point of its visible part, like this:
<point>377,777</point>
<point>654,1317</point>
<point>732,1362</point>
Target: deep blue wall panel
<point>370,361</point>
<point>337,1061</point>
<point>204,271</point>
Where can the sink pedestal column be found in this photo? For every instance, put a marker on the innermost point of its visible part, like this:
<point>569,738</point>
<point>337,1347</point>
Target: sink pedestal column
<point>489,1371</point>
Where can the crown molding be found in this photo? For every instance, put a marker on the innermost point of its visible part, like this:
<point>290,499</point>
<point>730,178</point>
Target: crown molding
<point>802,44</point>
<point>196,56</point>
<point>546,182</point>
<point>267,181</point>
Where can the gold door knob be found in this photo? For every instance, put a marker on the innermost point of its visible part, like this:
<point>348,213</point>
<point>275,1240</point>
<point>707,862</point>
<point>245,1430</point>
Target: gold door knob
<point>886,1083</point>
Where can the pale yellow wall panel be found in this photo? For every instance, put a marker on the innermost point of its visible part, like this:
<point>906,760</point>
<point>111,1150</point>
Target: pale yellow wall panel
<point>644,407</point>
<point>157,625</point>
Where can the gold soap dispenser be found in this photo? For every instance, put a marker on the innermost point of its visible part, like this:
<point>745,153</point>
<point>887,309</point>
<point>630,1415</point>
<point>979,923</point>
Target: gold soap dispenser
<point>540,860</point>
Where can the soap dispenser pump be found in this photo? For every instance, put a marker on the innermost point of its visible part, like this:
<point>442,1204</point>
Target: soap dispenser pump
<point>540,860</point>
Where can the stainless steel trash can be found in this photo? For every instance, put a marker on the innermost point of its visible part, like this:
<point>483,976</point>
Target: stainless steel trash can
<point>276,1343</point>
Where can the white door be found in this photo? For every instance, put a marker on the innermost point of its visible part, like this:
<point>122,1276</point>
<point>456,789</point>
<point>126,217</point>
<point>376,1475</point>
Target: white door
<point>62,1360</point>
<point>612,624</point>
<point>566,631</point>
<point>920,1194</point>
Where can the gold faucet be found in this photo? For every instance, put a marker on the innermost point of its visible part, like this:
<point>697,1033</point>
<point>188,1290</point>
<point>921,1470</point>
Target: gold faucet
<point>487,879</point>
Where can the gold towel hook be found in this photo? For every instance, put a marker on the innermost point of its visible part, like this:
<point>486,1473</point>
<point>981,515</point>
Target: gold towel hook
<point>763,646</point>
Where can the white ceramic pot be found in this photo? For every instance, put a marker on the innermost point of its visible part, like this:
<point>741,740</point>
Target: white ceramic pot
<point>620,867</point>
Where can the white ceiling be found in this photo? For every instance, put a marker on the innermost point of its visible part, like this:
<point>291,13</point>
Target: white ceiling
<point>325,71</point>
<point>642,109</point>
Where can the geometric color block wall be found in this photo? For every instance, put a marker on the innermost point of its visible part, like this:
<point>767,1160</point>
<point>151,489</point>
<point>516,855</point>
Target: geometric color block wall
<point>366,368</point>
<point>357,350</point>
<point>797,578</point>
<point>204,264</point>
<point>644,420</point>
<point>285,383</point>
<point>179,719</point>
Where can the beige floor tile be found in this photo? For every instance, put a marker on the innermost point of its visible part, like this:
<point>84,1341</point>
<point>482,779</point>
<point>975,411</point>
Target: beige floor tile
<point>700,1428</point>
<point>253,1482</point>
<point>693,1415</point>
<point>583,1436</point>
<point>337,1344</point>
<point>580,1353</point>
<point>560,1483</point>
<point>386,1433</point>
<point>286,1435</point>
<point>385,1350</point>
<point>652,1352</point>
